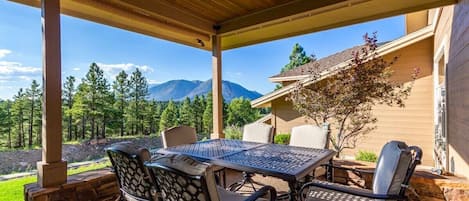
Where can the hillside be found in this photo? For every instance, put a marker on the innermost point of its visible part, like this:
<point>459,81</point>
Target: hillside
<point>180,89</point>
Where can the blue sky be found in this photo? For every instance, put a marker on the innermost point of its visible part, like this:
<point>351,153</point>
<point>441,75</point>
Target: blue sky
<point>113,49</point>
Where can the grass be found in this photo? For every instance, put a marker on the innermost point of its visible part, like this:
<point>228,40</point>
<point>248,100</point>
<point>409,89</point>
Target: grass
<point>367,156</point>
<point>12,190</point>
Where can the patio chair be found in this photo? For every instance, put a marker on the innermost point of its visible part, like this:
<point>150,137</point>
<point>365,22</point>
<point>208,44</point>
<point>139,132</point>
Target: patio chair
<point>254,132</point>
<point>183,178</point>
<point>178,135</point>
<point>394,169</point>
<point>133,177</point>
<point>309,136</point>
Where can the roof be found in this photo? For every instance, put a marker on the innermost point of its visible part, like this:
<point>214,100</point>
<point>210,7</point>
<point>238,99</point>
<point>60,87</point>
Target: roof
<point>238,23</point>
<point>384,49</point>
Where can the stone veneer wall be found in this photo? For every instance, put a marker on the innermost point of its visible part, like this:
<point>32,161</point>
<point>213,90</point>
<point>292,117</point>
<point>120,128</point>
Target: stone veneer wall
<point>92,185</point>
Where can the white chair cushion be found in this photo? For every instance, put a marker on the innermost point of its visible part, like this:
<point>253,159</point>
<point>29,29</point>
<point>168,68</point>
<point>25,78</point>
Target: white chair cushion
<point>309,136</point>
<point>258,132</point>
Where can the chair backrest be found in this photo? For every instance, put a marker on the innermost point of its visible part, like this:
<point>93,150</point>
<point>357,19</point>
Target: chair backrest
<point>182,178</point>
<point>178,135</point>
<point>134,180</point>
<point>258,132</point>
<point>395,166</point>
<point>309,136</point>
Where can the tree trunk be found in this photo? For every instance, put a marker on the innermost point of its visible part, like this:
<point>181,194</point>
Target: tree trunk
<point>83,127</point>
<point>9,136</point>
<point>69,127</point>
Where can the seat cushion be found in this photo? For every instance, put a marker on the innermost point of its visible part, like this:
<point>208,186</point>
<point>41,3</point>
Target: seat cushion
<point>392,167</point>
<point>258,132</point>
<point>178,135</point>
<point>309,136</point>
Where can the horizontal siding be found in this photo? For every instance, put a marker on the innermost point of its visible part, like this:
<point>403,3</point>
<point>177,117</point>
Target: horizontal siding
<point>412,124</point>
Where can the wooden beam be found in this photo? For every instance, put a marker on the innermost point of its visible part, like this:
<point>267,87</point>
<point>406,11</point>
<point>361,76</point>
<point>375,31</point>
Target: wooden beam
<point>172,14</point>
<point>274,13</point>
<point>52,171</point>
<point>217,89</point>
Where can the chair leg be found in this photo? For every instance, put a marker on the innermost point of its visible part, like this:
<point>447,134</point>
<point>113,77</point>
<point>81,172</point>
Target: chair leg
<point>247,179</point>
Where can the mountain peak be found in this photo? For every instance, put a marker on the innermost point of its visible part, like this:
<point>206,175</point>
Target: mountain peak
<point>178,90</point>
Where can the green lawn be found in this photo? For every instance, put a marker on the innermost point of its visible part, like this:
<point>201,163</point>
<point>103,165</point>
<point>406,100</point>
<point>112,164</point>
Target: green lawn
<point>12,190</point>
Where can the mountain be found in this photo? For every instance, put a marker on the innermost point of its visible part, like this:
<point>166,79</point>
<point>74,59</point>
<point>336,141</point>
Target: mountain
<point>178,90</point>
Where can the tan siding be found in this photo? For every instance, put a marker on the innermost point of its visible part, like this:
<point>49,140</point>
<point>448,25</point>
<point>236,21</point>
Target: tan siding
<point>412,124</point>
<point>454,26</point>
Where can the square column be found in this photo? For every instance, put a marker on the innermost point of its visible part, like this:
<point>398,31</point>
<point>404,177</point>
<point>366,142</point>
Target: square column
<point>52,171</point>
<point>217,89</point>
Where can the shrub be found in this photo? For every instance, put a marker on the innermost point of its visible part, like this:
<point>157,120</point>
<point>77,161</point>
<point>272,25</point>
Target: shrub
<point>282,138</point>
<point>233,132</point>
<point>367,156</point>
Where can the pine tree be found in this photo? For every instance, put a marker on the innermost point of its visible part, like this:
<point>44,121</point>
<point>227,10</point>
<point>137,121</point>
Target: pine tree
<point>33,94</point>
<point>68,92</point>
<point>297,58</point>
<point>198,107</point>
<point>17,111</point>
<point>121,93</point>
<point>169,117</point>
<point>208,115</point>
<point>5,121</point>
<point>138,93</point>
<point>240,112</point>
<point>186,113</point>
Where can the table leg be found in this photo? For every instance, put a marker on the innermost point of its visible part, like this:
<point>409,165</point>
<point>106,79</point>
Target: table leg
<point>330,172</point>
<point>293,194</point>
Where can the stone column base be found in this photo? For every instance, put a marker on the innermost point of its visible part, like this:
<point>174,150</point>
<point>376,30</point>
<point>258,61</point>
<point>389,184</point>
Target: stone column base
<point>51,174</point>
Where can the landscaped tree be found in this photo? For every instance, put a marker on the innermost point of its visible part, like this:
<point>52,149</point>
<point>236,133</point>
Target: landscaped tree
<point>346,97</point>
<point>240,112</point>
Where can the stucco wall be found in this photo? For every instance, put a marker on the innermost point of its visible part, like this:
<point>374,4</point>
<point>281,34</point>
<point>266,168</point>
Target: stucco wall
<point>452,35</point>
<point>412,124</point>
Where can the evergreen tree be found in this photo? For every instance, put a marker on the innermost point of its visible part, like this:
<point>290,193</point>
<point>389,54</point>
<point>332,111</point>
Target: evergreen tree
<point>240,112</point>
<point>68,92</point>
<point>208,115</point>
<point>297,58</point>
<point>33,94</point>
<point>198,107</point>
<point>138,93</point>
<point>5,121</point>
<point>169,117</point>
<point>80,110</point>
<point>121,92</point>
<point>186,113</point>
<point>17,111</point>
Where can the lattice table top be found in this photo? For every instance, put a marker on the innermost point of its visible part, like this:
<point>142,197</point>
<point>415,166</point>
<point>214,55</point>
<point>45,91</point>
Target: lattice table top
<point>283,161</point>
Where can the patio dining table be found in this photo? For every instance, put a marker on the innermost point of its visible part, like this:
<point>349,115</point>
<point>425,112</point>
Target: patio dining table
<point>288,163</point>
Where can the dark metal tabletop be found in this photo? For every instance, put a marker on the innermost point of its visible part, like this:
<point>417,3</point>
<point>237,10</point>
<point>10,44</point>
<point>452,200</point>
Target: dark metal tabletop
<point>289,163</point>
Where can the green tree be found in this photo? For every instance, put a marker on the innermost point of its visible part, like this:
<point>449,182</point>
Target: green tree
<point>80,110</point>
<point>240,112</point>
<point>198,107</point>
<point>346,99</point>
<point>208,115</point>
<point>297,58</point>
<point>18,111</point>
<point>95,90</point>
<point>68,93</point>
<point>138,93</point>
<point>169,117</point>
<point>33,94</point>
<point>121,92</point>
<point>5,120</point>
<point>186,113</point>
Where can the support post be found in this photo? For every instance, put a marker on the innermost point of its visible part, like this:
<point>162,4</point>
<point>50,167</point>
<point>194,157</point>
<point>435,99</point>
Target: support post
<point>217,89</point>
<point>52,171</point>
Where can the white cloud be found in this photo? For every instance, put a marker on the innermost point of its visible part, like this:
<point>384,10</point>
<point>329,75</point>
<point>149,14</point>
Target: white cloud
<point>150,81</point>
<point>4,52</point>
<point>113,68</point>
<point>8,68</point>
<point>76,69</point>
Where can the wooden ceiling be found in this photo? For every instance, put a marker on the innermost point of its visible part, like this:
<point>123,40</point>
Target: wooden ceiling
<point>238,22</point>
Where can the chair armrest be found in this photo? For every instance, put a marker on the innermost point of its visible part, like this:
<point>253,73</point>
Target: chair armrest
<point>349,169</point>
<point>261,192</point>
<point>349,190</point>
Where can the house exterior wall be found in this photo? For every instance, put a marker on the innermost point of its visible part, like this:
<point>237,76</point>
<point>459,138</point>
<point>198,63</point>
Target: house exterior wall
<point>452,38</point>
<point>412,124</point>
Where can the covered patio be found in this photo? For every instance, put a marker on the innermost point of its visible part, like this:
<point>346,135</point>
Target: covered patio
<point>213,26</point>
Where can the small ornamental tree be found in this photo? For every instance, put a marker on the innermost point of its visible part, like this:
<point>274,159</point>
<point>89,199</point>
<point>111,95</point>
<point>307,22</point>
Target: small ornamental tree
<point>344,97</point>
